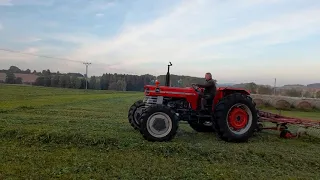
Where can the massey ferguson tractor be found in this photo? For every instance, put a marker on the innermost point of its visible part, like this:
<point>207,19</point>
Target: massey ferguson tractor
<point>232,114</point>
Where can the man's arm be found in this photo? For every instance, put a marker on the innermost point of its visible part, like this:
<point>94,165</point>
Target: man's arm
<point>207,84</point>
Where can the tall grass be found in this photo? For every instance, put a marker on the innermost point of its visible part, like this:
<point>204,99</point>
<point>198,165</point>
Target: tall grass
<point>72,134</point>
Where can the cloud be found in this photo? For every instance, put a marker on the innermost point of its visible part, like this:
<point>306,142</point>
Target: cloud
<point>298,21</point>
<point>32,2</point>
<point>51,24</point>
<point>75,38</point>
<point>23,61</point>
<point>29,40</point>
<point>134,38</point>
<point>101,5</point>
<point>175,36</point>
<point>6,3</point>
<point>31,50</point>
<point>98,26</point>
<point>99,14</point>
<point>16,57</point>
<point>196,35</point>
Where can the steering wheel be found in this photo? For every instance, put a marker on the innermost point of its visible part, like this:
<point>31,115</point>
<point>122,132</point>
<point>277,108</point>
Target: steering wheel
<point>196,88</point>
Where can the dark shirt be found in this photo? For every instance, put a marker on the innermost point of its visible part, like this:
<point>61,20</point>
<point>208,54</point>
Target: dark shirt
<point>209,87</point>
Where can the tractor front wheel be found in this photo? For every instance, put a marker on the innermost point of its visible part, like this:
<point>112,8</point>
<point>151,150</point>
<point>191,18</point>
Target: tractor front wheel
<point>135,113</point>
<point>236,118</point>
<point>158,123</point>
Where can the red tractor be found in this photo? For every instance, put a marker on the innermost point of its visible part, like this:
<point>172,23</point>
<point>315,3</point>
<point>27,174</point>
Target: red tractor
<point>232,114</point>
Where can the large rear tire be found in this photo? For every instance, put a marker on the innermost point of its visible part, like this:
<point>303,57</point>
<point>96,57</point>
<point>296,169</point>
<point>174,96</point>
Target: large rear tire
<point>135,113</point>
<point>159,123</point>
<point>236,118</point>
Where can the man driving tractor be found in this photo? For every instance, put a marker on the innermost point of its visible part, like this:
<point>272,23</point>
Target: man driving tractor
<point>209,90</point>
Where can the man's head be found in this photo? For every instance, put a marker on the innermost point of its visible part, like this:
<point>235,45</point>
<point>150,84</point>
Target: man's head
<point>208,76</point>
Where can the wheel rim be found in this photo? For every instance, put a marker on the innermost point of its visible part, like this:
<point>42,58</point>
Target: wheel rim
<point>239,118</point>
<point>159,124</point>
<point>137,115</point>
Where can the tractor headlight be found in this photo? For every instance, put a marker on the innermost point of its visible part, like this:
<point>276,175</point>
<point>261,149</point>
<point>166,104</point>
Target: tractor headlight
<point>147,91</point>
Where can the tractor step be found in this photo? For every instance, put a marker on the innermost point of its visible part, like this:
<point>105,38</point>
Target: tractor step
<point>204,116</point>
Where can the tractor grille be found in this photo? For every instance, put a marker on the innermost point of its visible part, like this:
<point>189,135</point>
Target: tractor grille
<point>150,100</point>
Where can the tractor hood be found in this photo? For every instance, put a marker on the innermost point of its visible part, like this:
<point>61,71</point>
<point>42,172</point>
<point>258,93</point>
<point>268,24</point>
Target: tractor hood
<point>150,90</point>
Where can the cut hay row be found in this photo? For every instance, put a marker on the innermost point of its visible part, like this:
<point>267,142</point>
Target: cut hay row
<point>285,103</point>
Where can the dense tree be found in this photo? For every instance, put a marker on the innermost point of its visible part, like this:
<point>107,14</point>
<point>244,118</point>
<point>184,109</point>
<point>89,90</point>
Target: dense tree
<point>64,81</point>
<point>14,69</point>
<point>28,71</point>
<point>93,82</point>
<point>55,81</point>
<point>97,86</point>
<point>104,82</point>
<point>262,89</point>
<point>121,85</point>
<point>10,79</point>
<point>79,83</point>
<point>318,94</point>
<point>83,83</point>
<point>252,87</point>
<point>73,82</point>
<point>18,80</point>
<point>40,81</point>
<point>75,74</point>
<point>113,86</point>
<point>47,77</point>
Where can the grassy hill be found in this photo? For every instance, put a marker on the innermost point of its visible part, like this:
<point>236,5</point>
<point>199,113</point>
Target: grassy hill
<point>72,134</point>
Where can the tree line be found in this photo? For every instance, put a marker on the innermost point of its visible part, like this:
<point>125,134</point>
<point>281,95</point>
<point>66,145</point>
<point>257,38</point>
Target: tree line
<point>126,82</point>
<point>108,81</point>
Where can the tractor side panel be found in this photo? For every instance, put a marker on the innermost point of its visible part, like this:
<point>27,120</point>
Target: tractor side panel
<point>219,95</point>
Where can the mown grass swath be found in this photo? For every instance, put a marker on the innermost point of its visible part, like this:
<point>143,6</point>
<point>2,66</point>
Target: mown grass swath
<point>64,133</point>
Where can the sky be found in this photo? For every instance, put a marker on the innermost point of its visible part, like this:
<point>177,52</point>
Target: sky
<point>236,40</point>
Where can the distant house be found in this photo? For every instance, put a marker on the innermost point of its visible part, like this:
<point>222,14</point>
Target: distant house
<point>26,78</point>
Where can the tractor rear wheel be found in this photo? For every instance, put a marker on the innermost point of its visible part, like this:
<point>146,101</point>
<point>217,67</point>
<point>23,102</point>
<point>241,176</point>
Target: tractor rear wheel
<point>158,123</point>
<point>135,113</point>
<point>236,118</point>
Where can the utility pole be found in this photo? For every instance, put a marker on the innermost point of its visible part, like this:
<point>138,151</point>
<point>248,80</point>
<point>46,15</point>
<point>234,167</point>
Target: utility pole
<point>275,85</point>
<point>87,64</point>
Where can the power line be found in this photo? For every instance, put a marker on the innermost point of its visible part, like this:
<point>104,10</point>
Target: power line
<point>70,60</point>
<point>57,58</point>
<point>31,54</point>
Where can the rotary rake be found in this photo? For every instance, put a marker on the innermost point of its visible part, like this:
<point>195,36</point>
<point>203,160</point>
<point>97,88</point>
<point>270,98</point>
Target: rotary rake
<point>282,122</point>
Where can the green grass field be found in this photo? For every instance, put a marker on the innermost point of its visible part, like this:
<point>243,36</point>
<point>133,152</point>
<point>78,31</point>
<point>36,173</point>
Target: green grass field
<point>71,134</point>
